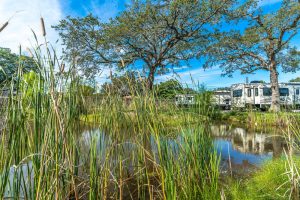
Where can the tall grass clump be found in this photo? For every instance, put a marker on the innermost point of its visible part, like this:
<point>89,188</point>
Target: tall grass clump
<point>272,181</point>
<point>39,145</point>
<point>180,165</point>
<point>56,146</point>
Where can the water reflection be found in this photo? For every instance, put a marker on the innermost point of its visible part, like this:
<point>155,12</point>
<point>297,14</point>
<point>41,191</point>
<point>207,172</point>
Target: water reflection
<point>244,149</point>
<point>239,148</point>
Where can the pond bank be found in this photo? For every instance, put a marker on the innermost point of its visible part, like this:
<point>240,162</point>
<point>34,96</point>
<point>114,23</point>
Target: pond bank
<point>260,119</point>
<point>273,181</point>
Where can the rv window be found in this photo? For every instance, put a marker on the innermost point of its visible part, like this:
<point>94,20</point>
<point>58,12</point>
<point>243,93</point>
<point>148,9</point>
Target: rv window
<point>297,91</point>
<point>237,93</point>
<point>189,98</point>
<point>249,92</point>
<point>267,91</point>
<point>284,91</point>
<point>256,92</point>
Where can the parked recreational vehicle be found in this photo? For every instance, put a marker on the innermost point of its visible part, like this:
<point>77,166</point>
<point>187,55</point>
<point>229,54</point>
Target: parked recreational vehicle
<point>222,98</point>
<point>259,94</point>
<point>184,99</point>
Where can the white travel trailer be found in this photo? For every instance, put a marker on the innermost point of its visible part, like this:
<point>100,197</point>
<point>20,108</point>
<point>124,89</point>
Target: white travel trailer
<point>184,99</point>
<point>257,94</point>
<point>222,98</point>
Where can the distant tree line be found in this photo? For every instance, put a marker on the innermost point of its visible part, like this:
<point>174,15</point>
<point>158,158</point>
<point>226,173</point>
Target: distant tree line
<point>295,80</point>
<point>130,83</point>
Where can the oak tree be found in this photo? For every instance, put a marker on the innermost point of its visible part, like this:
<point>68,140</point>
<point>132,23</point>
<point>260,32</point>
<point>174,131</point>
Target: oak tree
<point>156,35</point>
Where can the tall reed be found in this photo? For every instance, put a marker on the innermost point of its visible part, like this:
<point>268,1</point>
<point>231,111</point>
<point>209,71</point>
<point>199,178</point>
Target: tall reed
<point>51,149</point>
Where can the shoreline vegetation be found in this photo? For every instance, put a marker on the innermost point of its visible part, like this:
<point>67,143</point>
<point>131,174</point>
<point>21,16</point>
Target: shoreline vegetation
<point>249,119</point>
<point>44,154</point>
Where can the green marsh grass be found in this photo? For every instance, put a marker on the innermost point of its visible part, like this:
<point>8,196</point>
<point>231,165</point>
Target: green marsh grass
<point>128,153</point>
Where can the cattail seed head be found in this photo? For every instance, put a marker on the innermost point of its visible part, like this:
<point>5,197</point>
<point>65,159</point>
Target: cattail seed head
<point>123,63</point>
<point>3,26</point>
<point>43,27</point>
<point>62,67</point>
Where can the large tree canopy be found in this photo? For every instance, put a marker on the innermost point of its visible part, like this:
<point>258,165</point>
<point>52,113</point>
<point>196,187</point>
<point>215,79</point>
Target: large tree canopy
<point>263,45</point>
<point>155,34</point>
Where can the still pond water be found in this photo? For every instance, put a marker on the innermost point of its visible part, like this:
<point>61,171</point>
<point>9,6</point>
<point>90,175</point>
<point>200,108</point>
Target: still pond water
<point>241,150</point>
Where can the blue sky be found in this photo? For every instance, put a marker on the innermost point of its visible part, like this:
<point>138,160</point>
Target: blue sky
<point>55,10</point>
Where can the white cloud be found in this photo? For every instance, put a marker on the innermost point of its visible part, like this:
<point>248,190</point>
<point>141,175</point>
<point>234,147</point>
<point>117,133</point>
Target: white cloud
<point>26,16</point>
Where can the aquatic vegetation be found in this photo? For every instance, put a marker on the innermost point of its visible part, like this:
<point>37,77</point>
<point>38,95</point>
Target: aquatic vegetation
<point>130,157</point>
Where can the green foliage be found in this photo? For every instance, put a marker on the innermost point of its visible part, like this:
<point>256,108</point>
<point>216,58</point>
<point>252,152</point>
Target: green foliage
<point>158,34</point>
<point>127,84</point>
<point>168,89</point>
<point>83,38</point>
<point>270,183</point>
<point>10,62</point>
<point>86,90</point>
<point>295,80</point>
<point>31,84</point>
<point>236,190</point>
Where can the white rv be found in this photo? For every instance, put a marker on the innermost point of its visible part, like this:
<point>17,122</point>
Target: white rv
<point>184,99</point>
<point>259,94</point>
<point>222,98</point>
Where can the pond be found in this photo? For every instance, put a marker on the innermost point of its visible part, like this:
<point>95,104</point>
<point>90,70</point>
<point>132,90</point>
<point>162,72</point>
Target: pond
<point>241,150</point>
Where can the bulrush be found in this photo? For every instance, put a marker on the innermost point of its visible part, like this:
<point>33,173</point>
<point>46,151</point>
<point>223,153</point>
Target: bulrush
<point>43,27</point>
<point>3,26</point>
<point>62,68</point>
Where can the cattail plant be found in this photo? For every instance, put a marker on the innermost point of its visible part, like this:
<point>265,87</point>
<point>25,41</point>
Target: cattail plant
<point>3,26</point>
<point>127,154</point>
<point>43,27</point>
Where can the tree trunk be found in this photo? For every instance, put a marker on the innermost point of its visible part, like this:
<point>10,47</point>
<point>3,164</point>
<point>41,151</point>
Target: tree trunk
<point>150,79</point>
<point>275,105</point>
